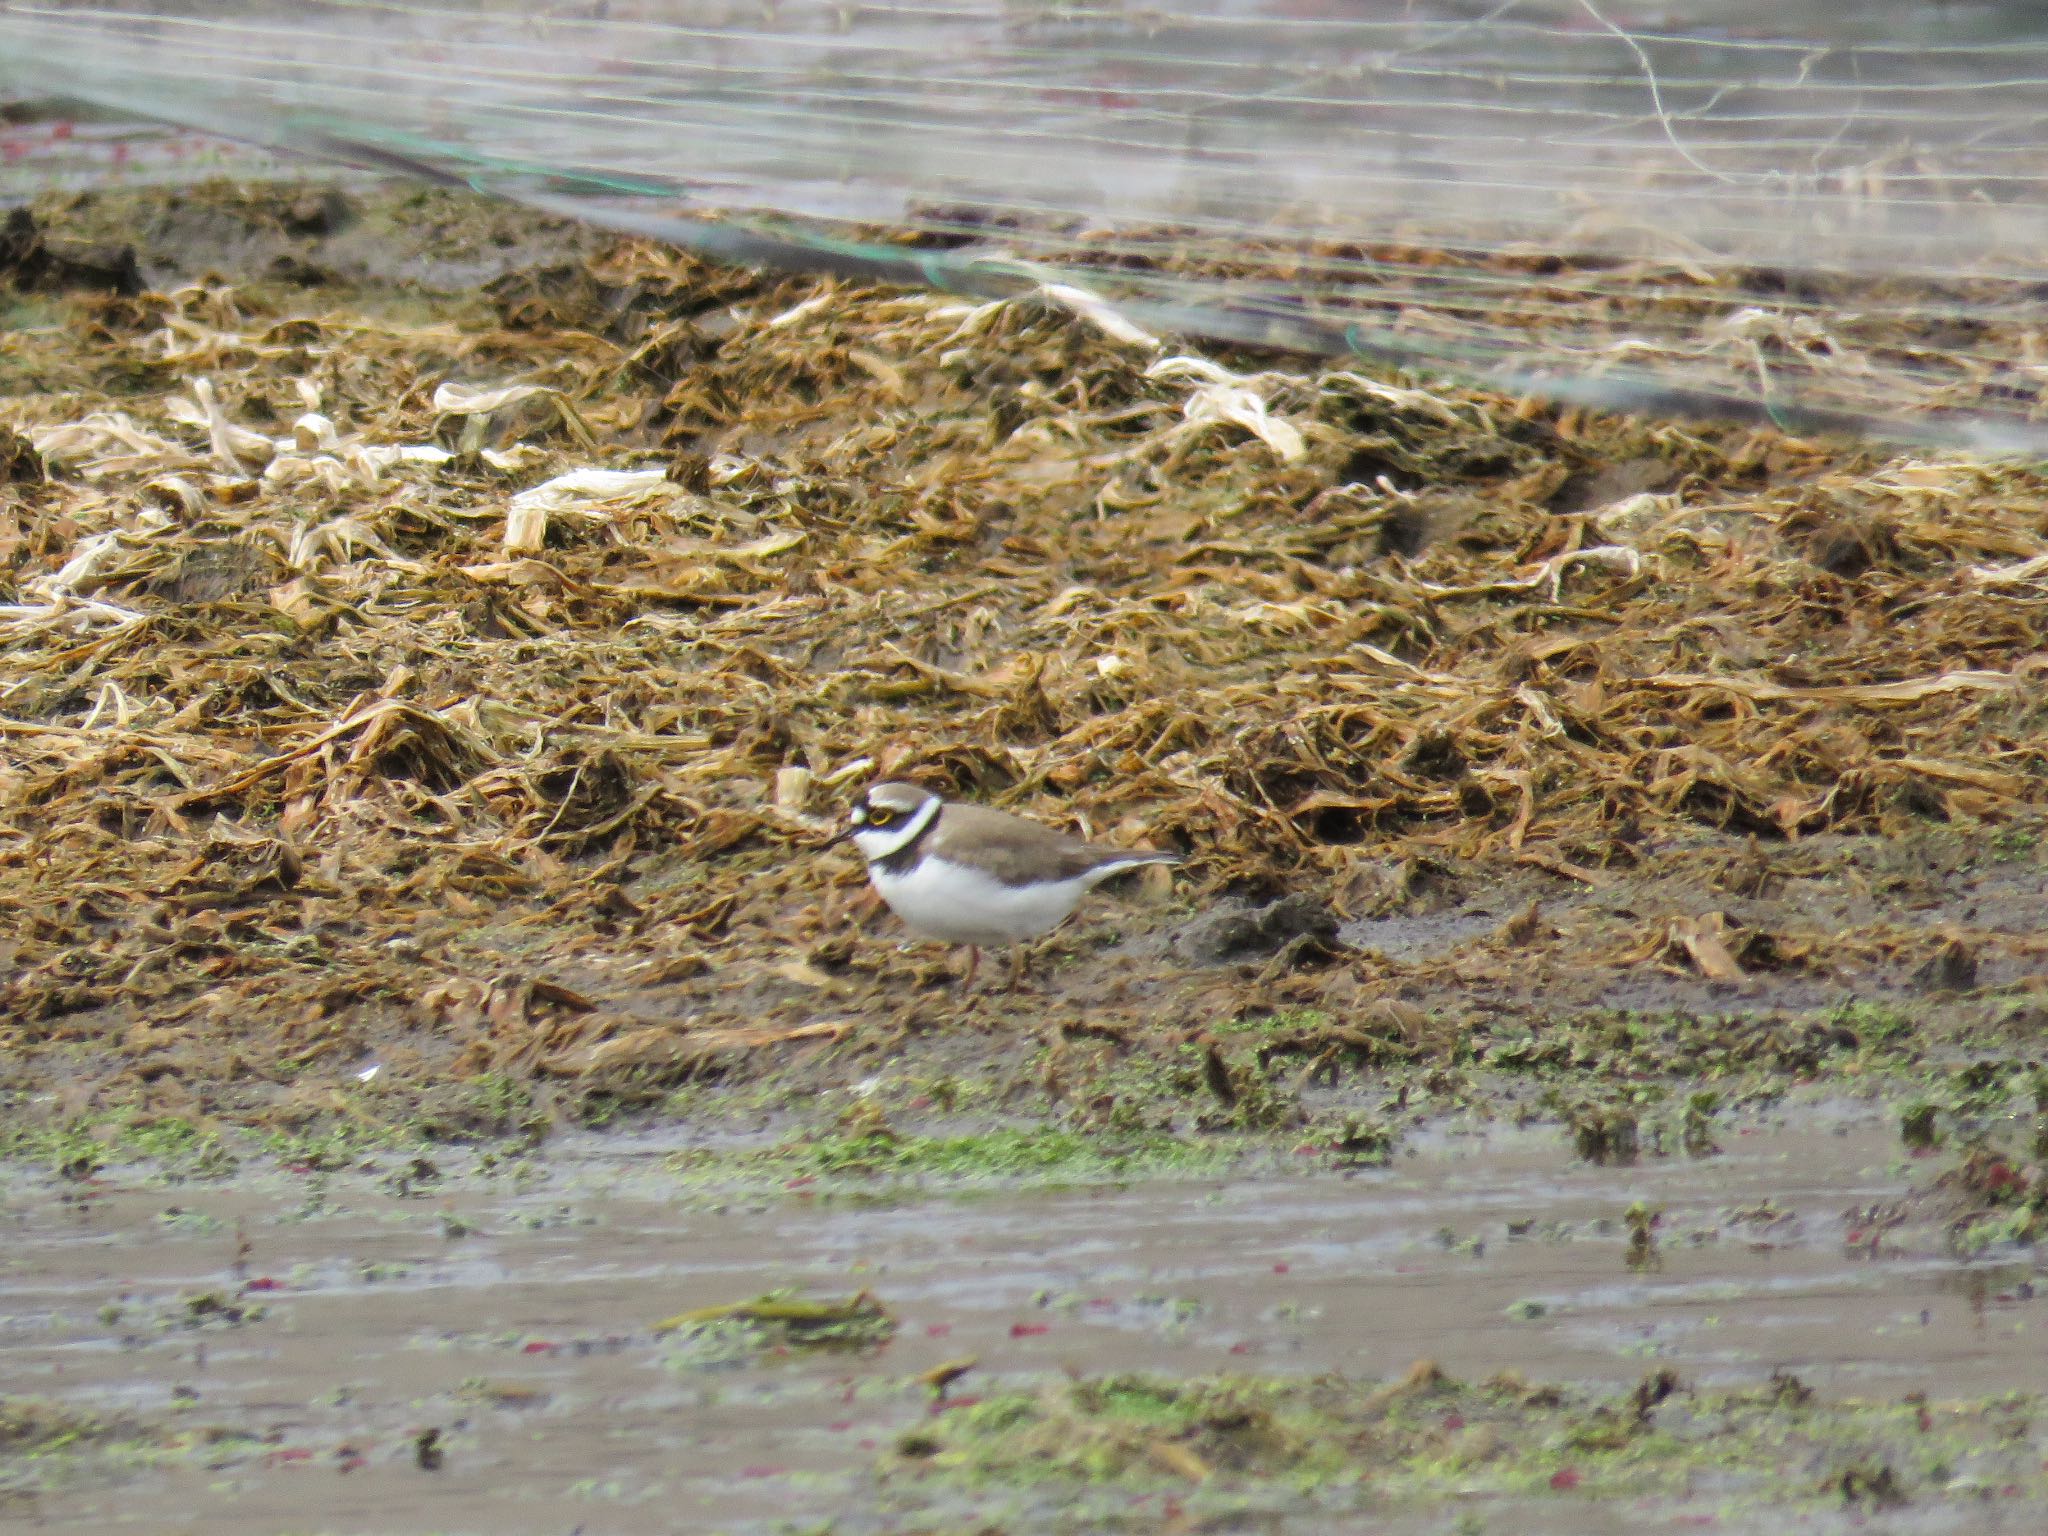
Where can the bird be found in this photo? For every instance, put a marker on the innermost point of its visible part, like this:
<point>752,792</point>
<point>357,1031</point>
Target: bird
<point>965,874</point>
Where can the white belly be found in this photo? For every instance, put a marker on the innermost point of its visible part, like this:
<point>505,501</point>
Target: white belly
<point>959,905</point>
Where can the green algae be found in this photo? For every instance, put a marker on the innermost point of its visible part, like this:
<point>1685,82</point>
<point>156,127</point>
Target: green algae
<point>1343,1445</point>
<point>1035,1156</point>
<point>29,1426</point>
<point>735,1332</point>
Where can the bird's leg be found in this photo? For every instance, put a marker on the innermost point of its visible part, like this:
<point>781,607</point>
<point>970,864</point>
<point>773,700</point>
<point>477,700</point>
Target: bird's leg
<point>1020,955</point>
<point>973,960</point>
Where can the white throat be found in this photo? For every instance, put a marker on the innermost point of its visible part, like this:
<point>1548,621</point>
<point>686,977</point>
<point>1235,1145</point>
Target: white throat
<point>879,842</point>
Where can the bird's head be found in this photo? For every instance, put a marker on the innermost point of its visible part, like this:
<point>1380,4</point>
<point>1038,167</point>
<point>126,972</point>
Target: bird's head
<point>889,816</point>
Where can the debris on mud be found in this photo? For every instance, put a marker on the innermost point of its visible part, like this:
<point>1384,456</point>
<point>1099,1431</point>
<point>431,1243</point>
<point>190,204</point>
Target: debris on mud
<point>784,1320</point>
<point>1342,1444</point>
<point>1983,1132</point>
<point>29,1426</point>
<point>30,261</point>
<point>1296,927</point>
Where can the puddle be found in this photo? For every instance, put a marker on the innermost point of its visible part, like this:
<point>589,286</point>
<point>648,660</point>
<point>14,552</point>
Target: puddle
<point>514,1316</point>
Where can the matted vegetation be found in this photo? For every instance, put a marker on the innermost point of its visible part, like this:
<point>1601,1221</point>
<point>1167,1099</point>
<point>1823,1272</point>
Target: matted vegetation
<point>464,688</point>
<point>1504,1448</point>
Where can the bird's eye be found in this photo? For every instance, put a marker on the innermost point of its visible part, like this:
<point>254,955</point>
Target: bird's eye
<point>880,816</point>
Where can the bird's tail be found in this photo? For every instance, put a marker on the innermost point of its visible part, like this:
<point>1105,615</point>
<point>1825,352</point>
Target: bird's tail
<point>1124,863</point>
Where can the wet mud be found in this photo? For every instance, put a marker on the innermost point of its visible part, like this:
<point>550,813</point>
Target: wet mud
<point>484,1350</point>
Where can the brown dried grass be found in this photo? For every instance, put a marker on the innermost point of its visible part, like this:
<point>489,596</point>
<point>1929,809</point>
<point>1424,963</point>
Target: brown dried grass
<point>336,689</point>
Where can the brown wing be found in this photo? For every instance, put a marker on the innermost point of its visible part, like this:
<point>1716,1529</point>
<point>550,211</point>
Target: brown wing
<point>1013,850</point>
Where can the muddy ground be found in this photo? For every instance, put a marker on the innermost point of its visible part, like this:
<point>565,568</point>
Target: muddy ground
<point>362,803</point>
<point>576,1341</point>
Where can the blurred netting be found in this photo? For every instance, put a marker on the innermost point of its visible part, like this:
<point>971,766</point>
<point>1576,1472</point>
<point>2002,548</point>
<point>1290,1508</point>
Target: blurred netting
<point>1821,215</point>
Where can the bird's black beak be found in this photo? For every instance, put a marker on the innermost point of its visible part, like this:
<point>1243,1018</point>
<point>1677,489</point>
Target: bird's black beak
<point>836,839</point>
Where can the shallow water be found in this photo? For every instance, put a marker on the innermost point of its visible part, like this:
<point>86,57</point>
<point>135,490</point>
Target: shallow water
<point>514,1315</point>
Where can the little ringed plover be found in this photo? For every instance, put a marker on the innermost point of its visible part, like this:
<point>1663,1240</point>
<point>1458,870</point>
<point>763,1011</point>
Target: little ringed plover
<point>964,874</point>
